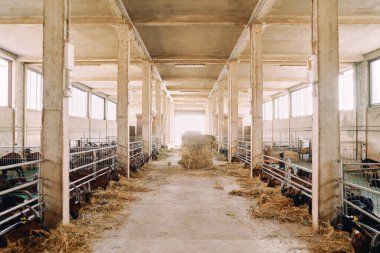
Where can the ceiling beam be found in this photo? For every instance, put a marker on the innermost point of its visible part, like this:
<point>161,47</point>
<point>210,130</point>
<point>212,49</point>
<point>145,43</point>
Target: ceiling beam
<point>189,60</point>
<point>305,20</point>
<point>118,4</point>
<point>185,20</point>
<point>101,79</point>
<point>79,62</point>
<point>261,9</point>
<point>75,20</point>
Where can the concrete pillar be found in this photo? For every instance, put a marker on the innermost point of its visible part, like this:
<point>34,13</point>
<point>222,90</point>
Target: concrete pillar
<point>147,108</point>
<point>220,115</point>
<point>232,110</point>
<point>256,44</point>
<point>171,122</point>
<point>326,136</point>
<point>361,97</point>
<point>159,115</point>
<point>210,109</point>
<point>54,135</point>
<point>122,98</point>
<point>215,115</point>
<point>20,108</point>
<point>164,119</point>
<point>168,126</point>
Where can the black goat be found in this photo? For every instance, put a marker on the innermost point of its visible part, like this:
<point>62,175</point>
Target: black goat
<point>10,159</point>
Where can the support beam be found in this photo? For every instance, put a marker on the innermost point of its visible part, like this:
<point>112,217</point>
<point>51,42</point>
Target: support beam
<point>256,46</point>
<point>232,110</point>
<point>78,20</point>
<point>210,111</point>
<point>361,97</point>
<point>19,104</point>
<point>215,116</point>
<point>260,11</point>
<point>55,130</point>
<point>169,108</point>
<point>159,114</point>
<point>164,118</point>
<point>122,102</point>
<point>147,107</point>
<point>172,122</point>
<point>220,116</point>
<point>185,20</point>
<point>326,134</point>
<point>304,20</point>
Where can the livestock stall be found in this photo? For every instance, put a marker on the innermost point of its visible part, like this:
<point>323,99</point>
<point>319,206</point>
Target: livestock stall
<point>21,195</point>
<point>360,198</point>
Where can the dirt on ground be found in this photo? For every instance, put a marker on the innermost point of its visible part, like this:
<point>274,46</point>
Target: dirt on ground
<point>166,208</point>
<point>192,211</point>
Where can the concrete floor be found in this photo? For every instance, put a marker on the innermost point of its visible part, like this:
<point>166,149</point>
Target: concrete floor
<point>188,214</point>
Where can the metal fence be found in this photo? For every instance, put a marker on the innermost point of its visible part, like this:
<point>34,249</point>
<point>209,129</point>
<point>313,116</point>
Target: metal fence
<point>293,175</point>
<point>85,142</point>
<point>360,193</point>
<point>89,163</point>
<point>21,194</point>
<point>244,151</point>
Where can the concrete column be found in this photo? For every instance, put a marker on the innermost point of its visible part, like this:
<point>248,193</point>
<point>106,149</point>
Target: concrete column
<point>326,135</point>
<point>256,44</point>
<point>210,109</point>
<point>361,97</point>
<point>215,116</point>
<point>168,126</point>
<point>220,115</point>
<point>171,122</point>
<point>55,130</point>
<point>232,110</point>
<point>20,108</point>
<point>122,98</point>
<point>159,115</point>
<point>147,107</point>
<point>164,119</point>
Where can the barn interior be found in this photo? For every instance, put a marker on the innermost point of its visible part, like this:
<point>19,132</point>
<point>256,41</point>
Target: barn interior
<point>287,87</point>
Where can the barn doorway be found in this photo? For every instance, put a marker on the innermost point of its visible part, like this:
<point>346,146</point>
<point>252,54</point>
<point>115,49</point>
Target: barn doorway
<point>188,123</point>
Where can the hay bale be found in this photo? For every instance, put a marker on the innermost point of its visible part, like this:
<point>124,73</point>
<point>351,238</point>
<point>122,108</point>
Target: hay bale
<point>292,155</point>
<point>197,151</point>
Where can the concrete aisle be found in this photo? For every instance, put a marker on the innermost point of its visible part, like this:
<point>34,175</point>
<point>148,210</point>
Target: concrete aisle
<point>189,214</point>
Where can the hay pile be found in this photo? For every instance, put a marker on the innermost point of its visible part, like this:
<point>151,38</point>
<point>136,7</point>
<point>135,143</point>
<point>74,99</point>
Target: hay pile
<point>103,214</point>
<point>270,204</point>
<point>163,154</point>
<point>327,240</point>
<point>197,151</point>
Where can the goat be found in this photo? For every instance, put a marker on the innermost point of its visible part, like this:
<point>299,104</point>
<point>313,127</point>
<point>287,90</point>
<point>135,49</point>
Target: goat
<point>25,226</point>
<point>10,159</point>
<point>31,156</point>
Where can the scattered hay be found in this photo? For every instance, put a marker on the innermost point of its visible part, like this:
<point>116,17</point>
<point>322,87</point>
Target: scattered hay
<point>218,186</point>
<point>103,214</point>
<point>277,207</point>
<point>270,204</point>
<point>327,240</point>
<point>221,157</point>
<point>197,151</point>
<point>163,154</point>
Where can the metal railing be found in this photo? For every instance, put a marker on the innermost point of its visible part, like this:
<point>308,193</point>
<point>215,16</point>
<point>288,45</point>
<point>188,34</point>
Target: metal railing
<point>89,163</point>
<point>135,149</point>
<point>244,151</point>
<point>294,175</point>
<point>21,195</point>
<point>85,142</point>
<point>360,193</point>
